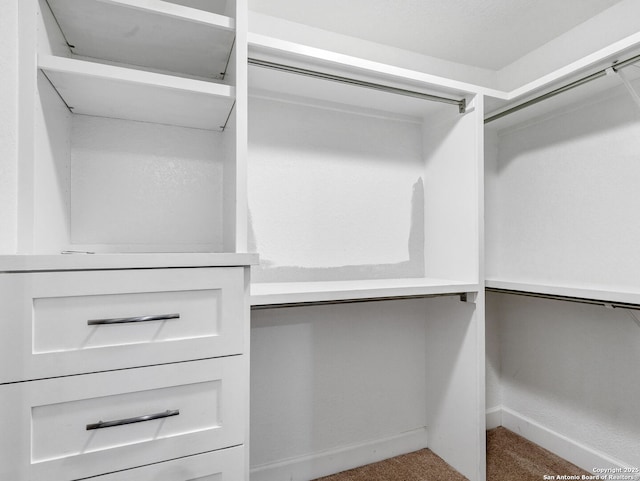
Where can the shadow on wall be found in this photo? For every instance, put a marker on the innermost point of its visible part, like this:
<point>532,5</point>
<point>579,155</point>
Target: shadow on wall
<point>413,267</point>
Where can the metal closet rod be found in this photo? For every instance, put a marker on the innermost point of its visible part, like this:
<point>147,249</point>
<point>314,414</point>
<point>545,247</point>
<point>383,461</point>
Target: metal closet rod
<point>462,103</point>
<point>581,300</point>
<point>601,73</point>
<point>462,295</point>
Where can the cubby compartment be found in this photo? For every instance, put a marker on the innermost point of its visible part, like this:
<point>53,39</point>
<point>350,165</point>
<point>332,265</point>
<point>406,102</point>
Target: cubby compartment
<point>187,38</point>
<point>133,115</point>
<point>352,183</point>
<point>560,189</point>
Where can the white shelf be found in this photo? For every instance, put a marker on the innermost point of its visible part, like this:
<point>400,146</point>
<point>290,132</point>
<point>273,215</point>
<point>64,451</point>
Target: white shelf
<point>59,262</point>
<point>149,33</point>
<point>267,48</point>
<point>588,292</point>
<point>116,92</point>
<point>264,294</point>
<point>589,92</point>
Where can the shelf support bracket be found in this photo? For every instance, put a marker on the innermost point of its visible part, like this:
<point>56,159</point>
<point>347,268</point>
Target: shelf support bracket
<point>633,316</point>
<point>469,297</point>
<point>622,76</point>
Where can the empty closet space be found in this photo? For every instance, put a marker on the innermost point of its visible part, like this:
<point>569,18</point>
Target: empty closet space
<point>350,183</point>
<point>131,106</point>
<point>339,386</point>
<point>561,196</point>
<point>362,188</point>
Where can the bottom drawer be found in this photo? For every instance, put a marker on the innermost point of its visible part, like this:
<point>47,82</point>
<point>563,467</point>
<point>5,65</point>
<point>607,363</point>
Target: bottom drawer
<point>81,426</point>
<point>224,465</point>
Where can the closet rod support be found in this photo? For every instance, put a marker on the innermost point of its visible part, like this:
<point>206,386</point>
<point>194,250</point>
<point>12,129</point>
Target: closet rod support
<point>469,297</point>
<point>461,103</point>
<point>633,317</point>
<point>623,77</point>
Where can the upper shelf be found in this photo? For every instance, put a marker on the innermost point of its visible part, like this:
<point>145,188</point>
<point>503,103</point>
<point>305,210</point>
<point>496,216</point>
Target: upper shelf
<point>107,91</point>
<point>148,33</point>
<point>340,81</point>
<point>277,84</point>
<point>279,293</point>
<point>574,88</point>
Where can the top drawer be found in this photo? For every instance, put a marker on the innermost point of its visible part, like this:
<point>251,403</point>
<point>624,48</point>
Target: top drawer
<point>60,323</point>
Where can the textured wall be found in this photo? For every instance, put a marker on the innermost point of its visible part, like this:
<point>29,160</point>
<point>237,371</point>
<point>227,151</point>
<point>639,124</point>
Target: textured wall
<point>567,194</point>
<point>334,195</point>
<point>573,369</point>
<point>153,181</point>
<point>8,124</point>
<point>332,376</point>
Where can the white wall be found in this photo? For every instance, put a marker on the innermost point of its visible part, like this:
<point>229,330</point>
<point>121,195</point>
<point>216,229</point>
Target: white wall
<point>8,125</point>
<point>334,194</point>
<point>337,386</point>
<point>572,368</point>
<point>329,377</point>
<point>152,181</point>
<point>566,197</point>
<point>562,203</point>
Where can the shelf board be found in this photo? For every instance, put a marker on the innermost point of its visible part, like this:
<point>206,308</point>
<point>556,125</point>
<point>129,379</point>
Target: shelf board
<point>61,262</point>
<point>148,33</point>
<point>587,293</point>
<point>283,293</point>
<point>271,48</point>
<point>108,91</point>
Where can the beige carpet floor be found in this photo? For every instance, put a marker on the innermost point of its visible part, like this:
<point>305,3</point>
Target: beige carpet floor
<point>509,458</point>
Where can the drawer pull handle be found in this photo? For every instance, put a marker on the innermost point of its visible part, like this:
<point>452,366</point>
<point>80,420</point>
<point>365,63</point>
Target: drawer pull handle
<point>124,320</point>
<point>138,419</point>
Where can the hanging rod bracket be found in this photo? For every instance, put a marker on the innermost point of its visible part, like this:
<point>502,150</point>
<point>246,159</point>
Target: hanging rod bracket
<point>469,297</point>
<point>623,78</point>
<point>633,316</point>
<point>462,106</point>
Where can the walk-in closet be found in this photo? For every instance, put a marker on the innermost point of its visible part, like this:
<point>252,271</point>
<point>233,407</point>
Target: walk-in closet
<point>268,240</point>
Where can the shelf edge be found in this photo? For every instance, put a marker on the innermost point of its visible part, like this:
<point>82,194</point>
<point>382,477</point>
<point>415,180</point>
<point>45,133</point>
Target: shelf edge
<point>70,66</point>
<point>180,12</point>
<point>364,293</point>
<point>571,293</point>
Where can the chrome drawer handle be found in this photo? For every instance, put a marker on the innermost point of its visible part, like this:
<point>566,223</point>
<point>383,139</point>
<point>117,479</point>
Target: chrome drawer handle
<point>138,419</point>
<point>124,320</point>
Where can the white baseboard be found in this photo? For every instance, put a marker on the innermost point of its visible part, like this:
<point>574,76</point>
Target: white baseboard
<point>494,417</point>
<point>316,465</point>
<point>573,451</point>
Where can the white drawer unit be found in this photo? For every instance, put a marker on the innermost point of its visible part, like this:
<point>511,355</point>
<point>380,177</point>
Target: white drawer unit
<point>124,367</point>
<point>223,465</point>
<point>60,323</point>
<point>75,427</point>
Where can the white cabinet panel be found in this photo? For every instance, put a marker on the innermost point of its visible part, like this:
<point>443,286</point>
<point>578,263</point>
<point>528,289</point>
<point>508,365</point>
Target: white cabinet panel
<point>223,465</point>
<point>58,323</point>
<point>46,423</point>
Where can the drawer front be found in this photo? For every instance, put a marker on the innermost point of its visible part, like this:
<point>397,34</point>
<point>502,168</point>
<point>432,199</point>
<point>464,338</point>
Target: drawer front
<point>81,426</point>
<point>59,323</point>
<point>224,465</point>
